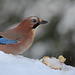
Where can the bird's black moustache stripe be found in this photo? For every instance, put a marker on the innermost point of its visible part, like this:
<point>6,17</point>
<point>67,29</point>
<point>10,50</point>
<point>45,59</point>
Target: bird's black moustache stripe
<point>35,25</point>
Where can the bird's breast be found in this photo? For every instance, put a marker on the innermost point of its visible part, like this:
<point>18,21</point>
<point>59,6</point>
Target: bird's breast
<point>26,42</point>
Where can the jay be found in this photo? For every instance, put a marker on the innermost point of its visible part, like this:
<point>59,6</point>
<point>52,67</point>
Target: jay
<point>20,38</point>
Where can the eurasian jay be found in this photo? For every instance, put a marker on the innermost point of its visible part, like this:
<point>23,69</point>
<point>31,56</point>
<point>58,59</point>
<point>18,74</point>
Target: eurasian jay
<point>20,38</point>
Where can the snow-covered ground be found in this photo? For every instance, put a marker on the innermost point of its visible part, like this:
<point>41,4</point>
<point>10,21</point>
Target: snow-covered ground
<point>19,65</point>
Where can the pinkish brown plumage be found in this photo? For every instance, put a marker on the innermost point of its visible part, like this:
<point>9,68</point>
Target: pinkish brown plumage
<point>23,34</point>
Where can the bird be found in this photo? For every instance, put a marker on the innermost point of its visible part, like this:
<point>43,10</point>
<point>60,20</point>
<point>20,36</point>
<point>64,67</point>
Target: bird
<point>17,40</point>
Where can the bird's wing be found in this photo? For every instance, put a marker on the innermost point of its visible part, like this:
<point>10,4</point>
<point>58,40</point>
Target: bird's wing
<point>6,41</point>
<point>11,35</point>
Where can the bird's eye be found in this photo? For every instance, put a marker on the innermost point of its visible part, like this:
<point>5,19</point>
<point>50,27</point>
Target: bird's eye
<point>34,20</point>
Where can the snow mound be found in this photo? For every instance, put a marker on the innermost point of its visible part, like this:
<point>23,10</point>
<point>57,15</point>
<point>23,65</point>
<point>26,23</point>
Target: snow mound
<point>19,65</point>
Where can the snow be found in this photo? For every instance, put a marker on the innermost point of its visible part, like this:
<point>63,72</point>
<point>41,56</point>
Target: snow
<point>19,65</point>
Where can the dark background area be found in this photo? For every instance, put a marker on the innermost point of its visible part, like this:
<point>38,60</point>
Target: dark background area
<point>53,39</point>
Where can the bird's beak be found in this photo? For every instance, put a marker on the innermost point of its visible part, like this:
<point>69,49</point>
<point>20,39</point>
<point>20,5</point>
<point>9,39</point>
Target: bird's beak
<point>43,21</point>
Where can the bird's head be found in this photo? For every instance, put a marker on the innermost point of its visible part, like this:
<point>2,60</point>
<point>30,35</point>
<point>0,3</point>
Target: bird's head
<point>35,21</point>
<point>32,22</point>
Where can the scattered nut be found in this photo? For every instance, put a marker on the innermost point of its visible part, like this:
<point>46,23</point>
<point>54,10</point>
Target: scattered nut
<point>53,62</point>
